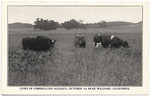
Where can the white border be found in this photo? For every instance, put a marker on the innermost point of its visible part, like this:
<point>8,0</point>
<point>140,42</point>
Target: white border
<point>133,90</point>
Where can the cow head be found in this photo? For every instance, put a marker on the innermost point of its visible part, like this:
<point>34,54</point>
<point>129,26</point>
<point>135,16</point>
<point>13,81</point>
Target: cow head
<point>125,44</point>
<point>53,43</point>
<point>80,39</point>
<point>97,41</point>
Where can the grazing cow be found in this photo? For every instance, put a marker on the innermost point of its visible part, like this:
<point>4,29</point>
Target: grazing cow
<point>41,43</point>
<point>79,41</point>
<point>106,41</point>
<point>51,41</point>
<point>117,42</point>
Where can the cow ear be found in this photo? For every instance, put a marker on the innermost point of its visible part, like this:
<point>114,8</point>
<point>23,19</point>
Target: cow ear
<point>82,36</point>
<point>55,40</point>
<point>77,36</point>
<point>98,34</point>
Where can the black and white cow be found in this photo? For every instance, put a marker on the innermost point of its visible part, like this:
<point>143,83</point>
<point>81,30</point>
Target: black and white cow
<point>106,41</point>
<point>41,43</point>
<point>79,41</point>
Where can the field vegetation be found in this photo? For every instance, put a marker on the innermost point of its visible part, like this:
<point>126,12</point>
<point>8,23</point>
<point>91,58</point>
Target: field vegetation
<point>65,65</point>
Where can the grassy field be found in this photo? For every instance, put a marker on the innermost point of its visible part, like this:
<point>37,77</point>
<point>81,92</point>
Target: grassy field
<point>68,66</point>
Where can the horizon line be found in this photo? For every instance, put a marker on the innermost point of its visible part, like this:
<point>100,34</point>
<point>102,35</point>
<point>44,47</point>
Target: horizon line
<point>83,23</point>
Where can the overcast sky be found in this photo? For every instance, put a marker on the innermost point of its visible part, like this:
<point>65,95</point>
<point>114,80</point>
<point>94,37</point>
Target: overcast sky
<point>28,14</point>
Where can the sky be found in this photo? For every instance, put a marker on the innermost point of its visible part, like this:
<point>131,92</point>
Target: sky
<point>90,14</point>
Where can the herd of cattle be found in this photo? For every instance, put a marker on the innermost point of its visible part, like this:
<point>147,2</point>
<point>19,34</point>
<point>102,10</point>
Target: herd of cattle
<point>43,43</point>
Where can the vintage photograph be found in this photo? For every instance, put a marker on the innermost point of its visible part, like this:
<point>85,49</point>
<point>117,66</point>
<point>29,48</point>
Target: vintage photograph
<point>75,45</point>
<point>82,48</point>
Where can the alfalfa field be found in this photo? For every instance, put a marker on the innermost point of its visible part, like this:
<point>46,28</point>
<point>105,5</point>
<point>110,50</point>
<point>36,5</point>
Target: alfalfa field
<point>65,65</point>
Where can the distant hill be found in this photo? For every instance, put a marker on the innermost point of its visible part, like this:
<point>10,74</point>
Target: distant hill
<point>109,24</point>
<point>128,26</point>
<point>118,23</point>
<point>19,25</point>
<point>140,24</point>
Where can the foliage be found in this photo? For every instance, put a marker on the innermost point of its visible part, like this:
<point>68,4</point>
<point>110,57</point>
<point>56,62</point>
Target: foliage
<point>102,24</point>
<point>70,24</point>
<point>45,25</point>
<point>52,25</point>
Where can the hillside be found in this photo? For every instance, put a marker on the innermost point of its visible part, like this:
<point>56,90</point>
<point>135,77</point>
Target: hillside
<point>128,26</point>
<point>19,25</point>
<point>118,23</point>
<point>109,24</point>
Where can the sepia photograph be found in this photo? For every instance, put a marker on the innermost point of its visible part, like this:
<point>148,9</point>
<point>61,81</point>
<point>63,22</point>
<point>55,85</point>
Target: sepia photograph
<point>75,45</point>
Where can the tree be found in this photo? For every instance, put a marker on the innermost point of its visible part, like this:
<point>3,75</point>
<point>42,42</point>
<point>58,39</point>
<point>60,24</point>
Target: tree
<point>36,24</point>
<point>45,25</point>
<point>41,24</point>
<point>81,25</point>
<point>52,25</point>
<point>70,24</point>
<point>57,25</point>
<point>103,24</point>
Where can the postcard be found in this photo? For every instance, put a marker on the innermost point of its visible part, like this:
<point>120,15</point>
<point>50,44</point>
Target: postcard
<point>76,47</point>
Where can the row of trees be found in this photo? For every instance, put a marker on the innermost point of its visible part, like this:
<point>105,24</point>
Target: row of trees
<point>47,25</point>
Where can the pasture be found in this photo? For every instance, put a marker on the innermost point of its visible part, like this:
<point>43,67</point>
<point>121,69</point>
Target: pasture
<point>66,65</point>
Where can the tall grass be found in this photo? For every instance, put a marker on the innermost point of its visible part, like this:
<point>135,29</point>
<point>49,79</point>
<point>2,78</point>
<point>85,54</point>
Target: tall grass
<point>68,66</point>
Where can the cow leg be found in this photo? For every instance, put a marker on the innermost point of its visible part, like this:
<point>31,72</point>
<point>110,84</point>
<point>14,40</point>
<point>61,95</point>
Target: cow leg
<point>94,44</point>
<point>24,47</point>
<point>98,44</point>
<point>84,45</point>
<point>118,46</point>
<point>111,46</point>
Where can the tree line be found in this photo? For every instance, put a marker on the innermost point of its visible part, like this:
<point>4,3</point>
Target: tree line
<point>47,25</point>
